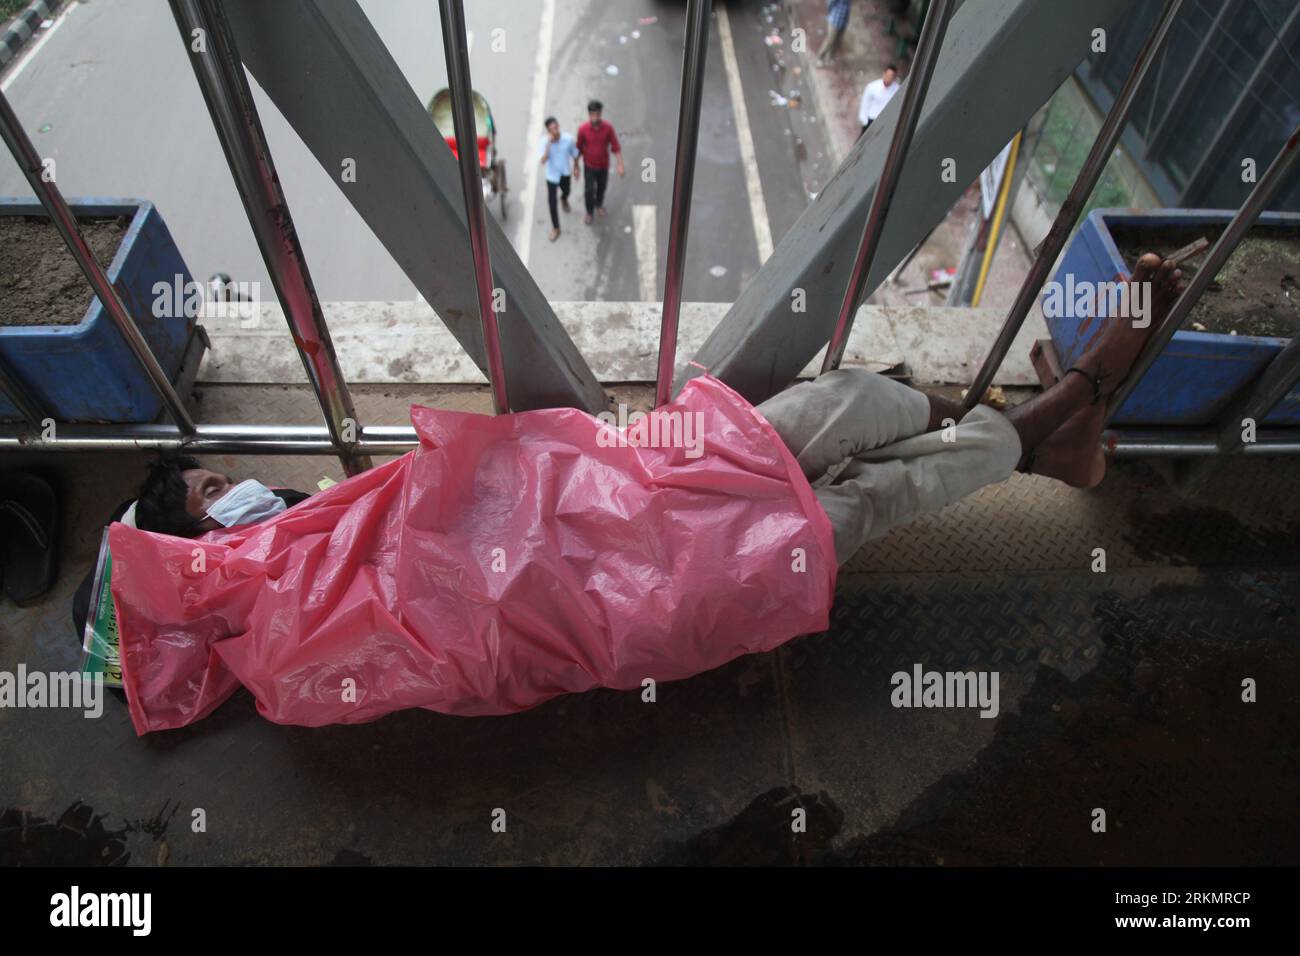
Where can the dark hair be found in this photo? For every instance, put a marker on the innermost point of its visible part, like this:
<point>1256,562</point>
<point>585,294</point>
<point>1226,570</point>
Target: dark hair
<point>549,121</point>
<point>160,505</point>
<point>891,67</point>
<point>594,106</point>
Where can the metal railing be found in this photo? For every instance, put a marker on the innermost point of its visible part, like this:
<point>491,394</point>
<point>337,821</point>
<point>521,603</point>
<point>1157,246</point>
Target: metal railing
<point>914,90</point>
<point>220,75</point>
<point>688,132</point>
<point>29,161</point>
<point>462,102</point>
<point>1089,173</point>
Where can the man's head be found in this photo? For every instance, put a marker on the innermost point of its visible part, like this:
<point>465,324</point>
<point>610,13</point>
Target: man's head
<point>594,109</point>
<point>552,128</point>
<point>176,496</point>
<point>890,74</point>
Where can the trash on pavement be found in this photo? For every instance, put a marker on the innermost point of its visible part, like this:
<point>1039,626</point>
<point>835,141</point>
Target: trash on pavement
<point>993,395</point>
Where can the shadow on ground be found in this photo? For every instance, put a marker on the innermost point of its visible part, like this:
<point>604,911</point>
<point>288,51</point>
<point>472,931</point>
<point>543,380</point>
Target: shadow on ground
<point>1158,735</point>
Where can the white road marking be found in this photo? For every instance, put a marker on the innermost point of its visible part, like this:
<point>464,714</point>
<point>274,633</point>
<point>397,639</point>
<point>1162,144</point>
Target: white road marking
<point>533,135</point>
<point>21,63</point>
<point>647,253</point>
<point>748,162</point>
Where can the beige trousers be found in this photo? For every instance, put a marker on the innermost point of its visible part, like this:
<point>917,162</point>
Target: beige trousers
<point>861,440</point>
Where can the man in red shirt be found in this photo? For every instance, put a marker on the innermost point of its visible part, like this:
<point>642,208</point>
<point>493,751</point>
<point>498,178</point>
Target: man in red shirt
<point>596,140</point>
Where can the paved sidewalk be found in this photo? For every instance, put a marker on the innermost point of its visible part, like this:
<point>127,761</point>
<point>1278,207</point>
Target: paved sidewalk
<point>865,51</point>
<point>867,48</point>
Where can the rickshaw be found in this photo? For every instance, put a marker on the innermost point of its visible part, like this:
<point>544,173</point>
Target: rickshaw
<point>492,169</point>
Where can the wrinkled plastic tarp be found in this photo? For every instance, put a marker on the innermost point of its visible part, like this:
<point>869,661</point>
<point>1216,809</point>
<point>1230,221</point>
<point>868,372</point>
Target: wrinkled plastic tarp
<point>505,561</point>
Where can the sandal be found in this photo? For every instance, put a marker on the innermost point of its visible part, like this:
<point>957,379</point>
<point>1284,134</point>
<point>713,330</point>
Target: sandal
<point>29,516</point>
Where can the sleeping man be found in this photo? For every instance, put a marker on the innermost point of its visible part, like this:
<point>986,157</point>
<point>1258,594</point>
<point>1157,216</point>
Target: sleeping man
<point>180,497</point>
<point>513,558</point>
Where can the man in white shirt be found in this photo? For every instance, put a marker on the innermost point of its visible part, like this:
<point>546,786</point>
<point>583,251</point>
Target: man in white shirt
<point>876,96</point>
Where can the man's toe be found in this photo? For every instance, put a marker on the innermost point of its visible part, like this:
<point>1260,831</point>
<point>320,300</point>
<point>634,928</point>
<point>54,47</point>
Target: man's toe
<point>1146,267</point>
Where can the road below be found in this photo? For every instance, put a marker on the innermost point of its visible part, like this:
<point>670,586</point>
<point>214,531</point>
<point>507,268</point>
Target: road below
<point>108,94</point>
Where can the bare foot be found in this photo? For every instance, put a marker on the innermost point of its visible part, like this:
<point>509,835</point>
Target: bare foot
<point>601,210</point>
<point>587,219</point>
<point>555,234</point>
<point>1073,453</point>
<point>1118,340</point>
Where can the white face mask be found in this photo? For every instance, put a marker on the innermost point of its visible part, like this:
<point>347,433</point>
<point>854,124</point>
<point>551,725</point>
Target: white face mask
<point>248,502</point>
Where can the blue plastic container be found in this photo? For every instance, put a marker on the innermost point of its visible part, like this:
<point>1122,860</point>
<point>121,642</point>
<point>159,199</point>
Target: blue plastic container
<point>1197,375</point>
<point>86,372</point>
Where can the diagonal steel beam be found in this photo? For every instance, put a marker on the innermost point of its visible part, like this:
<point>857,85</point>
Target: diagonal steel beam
<point>1068,215</point>
<point>1260,196</point>
<point>220,73</point>
<point>915,87</point>
<point>1275,383</point>
<point>1000,61</point>
<point>330,75</point>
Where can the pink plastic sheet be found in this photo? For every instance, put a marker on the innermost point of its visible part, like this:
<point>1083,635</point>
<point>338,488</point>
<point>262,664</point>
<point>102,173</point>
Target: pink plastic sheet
<point>505,561</point>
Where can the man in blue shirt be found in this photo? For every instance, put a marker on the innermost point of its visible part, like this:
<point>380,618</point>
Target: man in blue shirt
<point>837,21</point>
<point>559,156</point>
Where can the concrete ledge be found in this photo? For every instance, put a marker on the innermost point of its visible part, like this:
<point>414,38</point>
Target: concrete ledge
<point>404,342</point>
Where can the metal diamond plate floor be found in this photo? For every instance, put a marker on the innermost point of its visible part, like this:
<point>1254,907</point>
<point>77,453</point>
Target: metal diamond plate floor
<point>1119,690</point>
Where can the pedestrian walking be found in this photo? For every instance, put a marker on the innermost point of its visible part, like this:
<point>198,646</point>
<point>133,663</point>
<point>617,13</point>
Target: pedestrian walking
<point>837,21</point>
<point>876,96</point>
<point>559,156</point>
<point>596,140</point>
